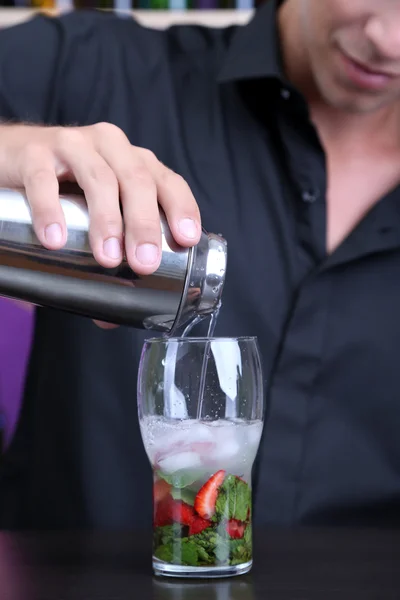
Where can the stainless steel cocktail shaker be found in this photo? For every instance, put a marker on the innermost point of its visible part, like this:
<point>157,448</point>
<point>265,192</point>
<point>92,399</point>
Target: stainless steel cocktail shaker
<point>188,283</point>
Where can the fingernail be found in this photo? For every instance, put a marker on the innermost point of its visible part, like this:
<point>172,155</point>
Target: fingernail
<point>53,234</point>
<point>112,248</point>
<point>188,228</point>
<point>147,254</point>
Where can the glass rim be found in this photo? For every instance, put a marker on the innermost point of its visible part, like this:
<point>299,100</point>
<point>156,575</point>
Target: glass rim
<point>198,339</point>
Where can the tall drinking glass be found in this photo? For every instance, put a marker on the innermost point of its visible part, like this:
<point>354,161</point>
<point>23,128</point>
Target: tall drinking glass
<point>201,418</point>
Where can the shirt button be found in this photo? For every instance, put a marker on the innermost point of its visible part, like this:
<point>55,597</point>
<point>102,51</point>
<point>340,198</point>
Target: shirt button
<point>285,93</point>
<point>310,195</point>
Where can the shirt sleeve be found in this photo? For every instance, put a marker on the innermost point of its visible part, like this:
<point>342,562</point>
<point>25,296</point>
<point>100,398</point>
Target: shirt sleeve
<point>57,70</point>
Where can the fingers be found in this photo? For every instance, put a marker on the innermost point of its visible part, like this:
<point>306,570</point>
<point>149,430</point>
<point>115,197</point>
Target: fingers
<point>143,183</point>
<point>138,192</point>
<point>100,185</point>
<point>101,160</point>
<point>178,202</point>
<point>41,186</point>
<point>142,222</point>
<point>109,169</point>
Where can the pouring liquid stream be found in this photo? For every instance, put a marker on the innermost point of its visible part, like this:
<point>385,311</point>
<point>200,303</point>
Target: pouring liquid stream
<point>203,373</point>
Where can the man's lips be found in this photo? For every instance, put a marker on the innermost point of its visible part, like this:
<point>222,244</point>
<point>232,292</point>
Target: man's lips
<point>365,77</point>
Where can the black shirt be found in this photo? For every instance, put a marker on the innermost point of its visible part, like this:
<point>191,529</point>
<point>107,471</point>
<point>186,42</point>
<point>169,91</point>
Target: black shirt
<point>213,105</point>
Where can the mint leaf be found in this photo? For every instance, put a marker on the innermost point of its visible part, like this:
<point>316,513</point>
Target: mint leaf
<point>222,550</point>
<point>243,500</point>
<point>205,542</point>
<point>230,551</point>
<point>180,479</point>
<point>179,552</point>
<point>221,506</point>
<point>210,547</point>
<point>184,494</point>
<point>164,552</point>
<point>241,550</point>
<point>189,554</point>
<point>248,534</point>
<point>168,533</point>
<point>204,557</point>
<point>194,551</point>
<point>234,499</point>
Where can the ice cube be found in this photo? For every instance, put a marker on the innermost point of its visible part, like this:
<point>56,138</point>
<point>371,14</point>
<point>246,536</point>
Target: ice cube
<point>254,431</point>
<point>200,433</point>
<point>182,437</point>
<point>178,462</point>
<point>221,423</point>
<point>203,448</point>
<point>224,432</point>
<point>227,450</point>
<point>174,438</point>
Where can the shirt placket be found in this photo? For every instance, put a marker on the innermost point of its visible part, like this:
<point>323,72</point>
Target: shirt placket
<point>295,373</point>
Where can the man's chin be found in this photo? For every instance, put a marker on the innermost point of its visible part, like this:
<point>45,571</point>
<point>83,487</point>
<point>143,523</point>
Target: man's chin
<point>354,102</point>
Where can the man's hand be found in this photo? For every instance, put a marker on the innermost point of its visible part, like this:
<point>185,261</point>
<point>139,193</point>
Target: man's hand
<point>101,160</point>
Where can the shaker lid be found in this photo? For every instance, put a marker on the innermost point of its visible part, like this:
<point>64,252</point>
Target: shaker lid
<point>204,282</point>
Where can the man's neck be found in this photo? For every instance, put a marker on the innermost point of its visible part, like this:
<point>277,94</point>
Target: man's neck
<point>383,125</point>
<point>351,130</point>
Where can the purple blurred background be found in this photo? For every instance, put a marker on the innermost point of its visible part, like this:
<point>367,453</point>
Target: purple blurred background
<point>16,326</point>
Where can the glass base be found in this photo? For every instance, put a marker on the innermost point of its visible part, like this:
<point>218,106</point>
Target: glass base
<point>165,569</point>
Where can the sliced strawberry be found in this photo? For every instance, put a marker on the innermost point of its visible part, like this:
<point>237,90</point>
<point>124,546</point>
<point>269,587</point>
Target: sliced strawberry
<point>182,513</point>
<point>206,498</point>
<point>163,512</point>
<point>161,489</point>
<point>235,528</point>
<point>198,525</point>
<point>169,511</point>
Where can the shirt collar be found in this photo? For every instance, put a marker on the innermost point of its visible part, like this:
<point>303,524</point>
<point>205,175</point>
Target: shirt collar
<point>255,51</point>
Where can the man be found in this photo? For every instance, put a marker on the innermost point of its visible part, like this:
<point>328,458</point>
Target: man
<point>283,135</point>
